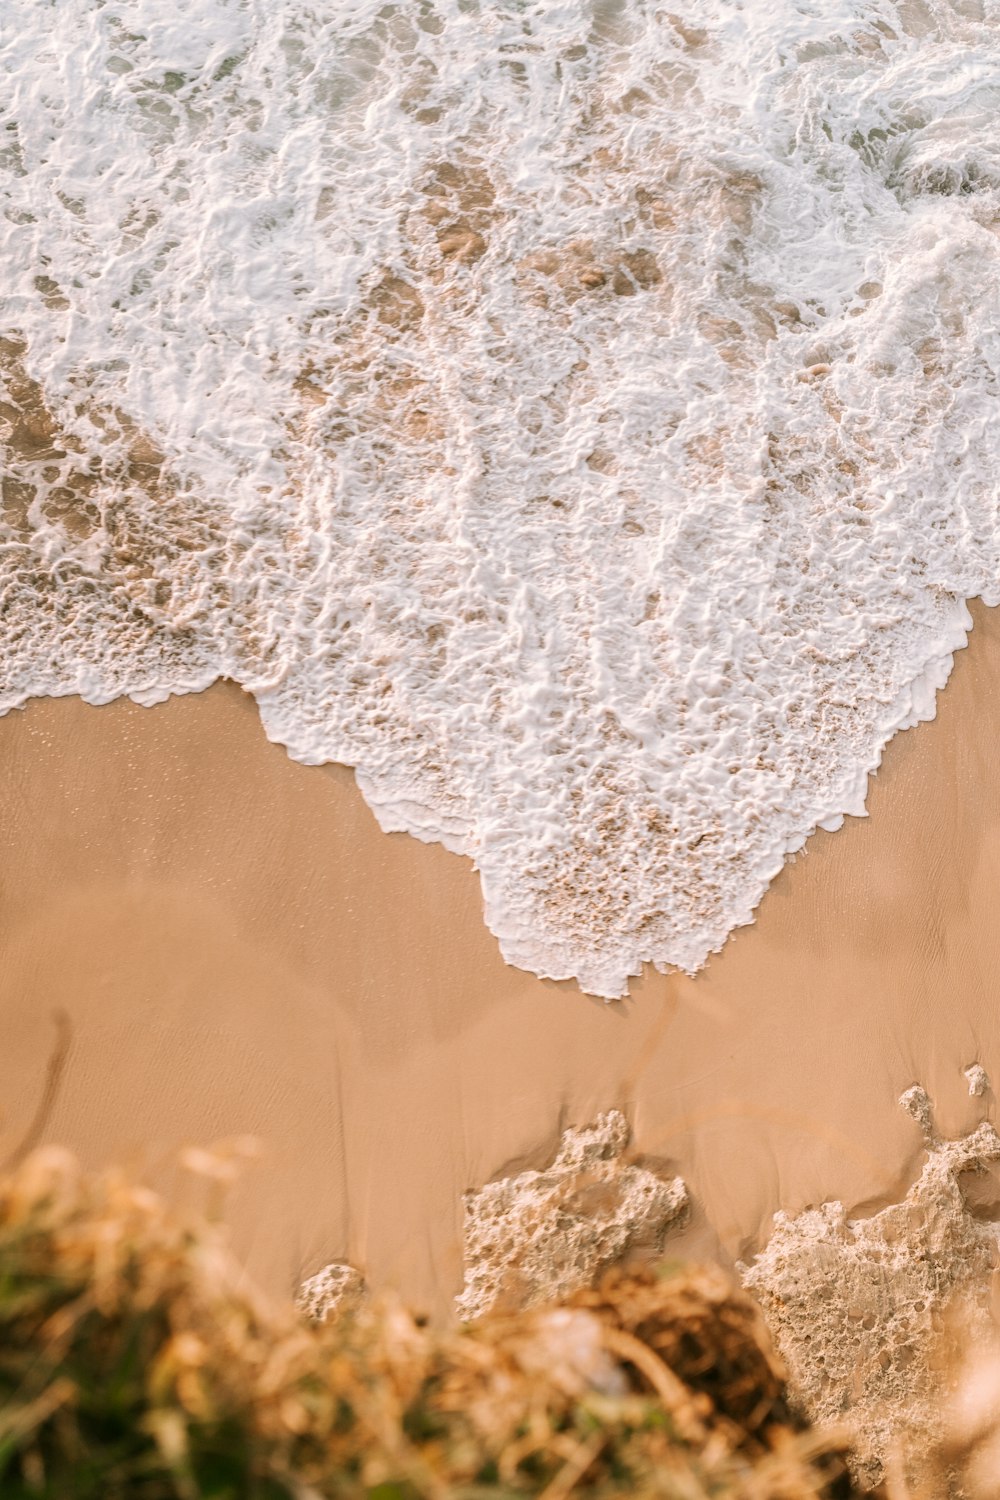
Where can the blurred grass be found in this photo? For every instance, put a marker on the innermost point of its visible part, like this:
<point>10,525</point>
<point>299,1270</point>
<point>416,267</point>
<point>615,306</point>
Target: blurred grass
<point>136,1361</point>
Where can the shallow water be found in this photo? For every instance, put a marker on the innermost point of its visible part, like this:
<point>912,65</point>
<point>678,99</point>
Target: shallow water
<point>576,417</point>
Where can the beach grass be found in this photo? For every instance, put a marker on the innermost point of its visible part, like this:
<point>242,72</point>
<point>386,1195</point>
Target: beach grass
<point>136,1361</point>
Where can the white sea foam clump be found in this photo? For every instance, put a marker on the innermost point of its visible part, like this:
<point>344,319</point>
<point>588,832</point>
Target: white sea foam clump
<point>859,1308</point>
<point>336,1289</point>
<point>539,1236</point>
<point>576,417</point>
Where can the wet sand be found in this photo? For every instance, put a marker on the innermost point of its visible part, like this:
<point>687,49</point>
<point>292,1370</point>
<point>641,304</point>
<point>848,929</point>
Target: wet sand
<point>241,950</point>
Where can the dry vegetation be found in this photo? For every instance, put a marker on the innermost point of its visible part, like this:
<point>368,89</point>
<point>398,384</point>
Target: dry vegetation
<point>135,1361</point>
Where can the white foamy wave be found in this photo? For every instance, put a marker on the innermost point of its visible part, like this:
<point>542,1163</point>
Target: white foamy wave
<point>574,416</point>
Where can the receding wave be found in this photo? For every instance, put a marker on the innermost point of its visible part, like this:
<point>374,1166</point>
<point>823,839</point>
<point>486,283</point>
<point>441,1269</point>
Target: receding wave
<point>575,417</point>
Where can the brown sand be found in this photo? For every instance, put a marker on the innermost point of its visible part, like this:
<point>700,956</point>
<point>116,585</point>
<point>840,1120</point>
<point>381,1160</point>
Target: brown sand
<point>240,949</point>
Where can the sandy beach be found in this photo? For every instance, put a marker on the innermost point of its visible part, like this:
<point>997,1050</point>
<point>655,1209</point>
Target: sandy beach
<point>241,950</point>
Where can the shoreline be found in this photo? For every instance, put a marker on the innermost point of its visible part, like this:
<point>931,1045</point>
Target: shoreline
<point>241,950</point>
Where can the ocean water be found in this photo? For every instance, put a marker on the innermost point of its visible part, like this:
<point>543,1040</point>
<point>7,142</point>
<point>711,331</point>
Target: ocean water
<point>578,417</point>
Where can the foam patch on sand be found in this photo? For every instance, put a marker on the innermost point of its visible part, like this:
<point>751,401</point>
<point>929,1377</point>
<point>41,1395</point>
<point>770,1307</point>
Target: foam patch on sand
<point>538,1236</point>
<point>859,1308</point>
<point>336,1288</point>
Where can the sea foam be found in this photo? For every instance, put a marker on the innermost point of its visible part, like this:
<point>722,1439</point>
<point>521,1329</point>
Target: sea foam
<point>574,416</point>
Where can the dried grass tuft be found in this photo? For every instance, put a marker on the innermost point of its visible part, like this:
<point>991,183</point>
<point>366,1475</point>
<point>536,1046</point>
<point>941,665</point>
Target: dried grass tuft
<point>136,1362</point>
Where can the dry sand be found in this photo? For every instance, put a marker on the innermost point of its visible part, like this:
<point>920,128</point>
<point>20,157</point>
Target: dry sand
<point>240,949</point>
